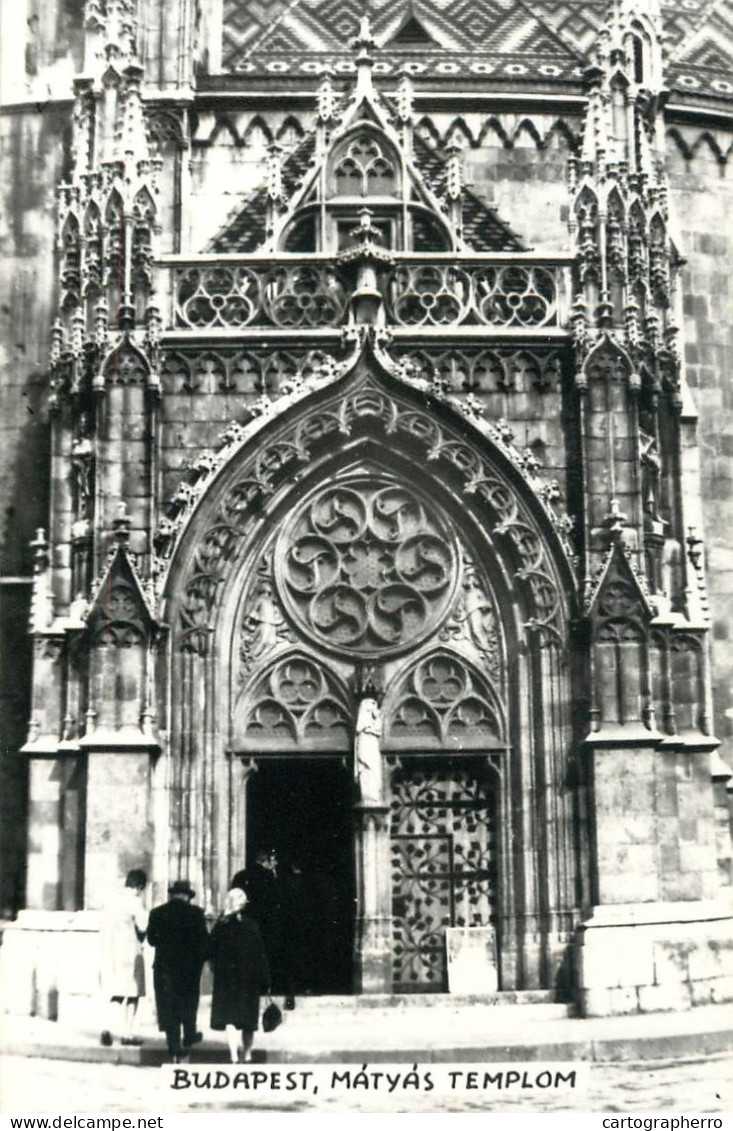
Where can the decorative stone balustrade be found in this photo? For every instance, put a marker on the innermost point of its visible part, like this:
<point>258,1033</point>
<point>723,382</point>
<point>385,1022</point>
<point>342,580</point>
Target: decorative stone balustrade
<point>446,291</point>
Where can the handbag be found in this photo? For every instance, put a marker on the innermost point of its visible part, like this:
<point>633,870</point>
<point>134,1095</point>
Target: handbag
<point>271,1017</point>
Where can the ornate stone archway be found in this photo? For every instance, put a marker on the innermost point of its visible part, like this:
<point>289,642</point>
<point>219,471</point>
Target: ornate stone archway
<point>328,551</point>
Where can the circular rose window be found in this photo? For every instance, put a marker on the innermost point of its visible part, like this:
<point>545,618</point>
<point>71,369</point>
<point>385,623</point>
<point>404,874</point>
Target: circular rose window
<point>366,567</point>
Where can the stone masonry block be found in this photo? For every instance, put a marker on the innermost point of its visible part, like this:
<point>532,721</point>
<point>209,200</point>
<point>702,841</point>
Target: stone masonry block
<point>615,957</point>
<point>629,859</point>
<point>667,998</point>
<point>697,857</point>
<point>685,887</point>
<point>671,961</point>
<point>709,991</point>
<point>624,887</point>
<point>609,1002</point>
<point>711,958</point>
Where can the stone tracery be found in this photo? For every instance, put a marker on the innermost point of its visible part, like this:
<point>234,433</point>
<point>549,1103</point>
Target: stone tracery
<point>366,567</point>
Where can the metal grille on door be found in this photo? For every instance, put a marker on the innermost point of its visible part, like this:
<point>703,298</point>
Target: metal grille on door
<point>443,868</point>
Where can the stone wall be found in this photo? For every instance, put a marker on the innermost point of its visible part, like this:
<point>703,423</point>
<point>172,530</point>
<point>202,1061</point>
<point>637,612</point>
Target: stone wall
<point>701,196</point>
<point>32,146</point>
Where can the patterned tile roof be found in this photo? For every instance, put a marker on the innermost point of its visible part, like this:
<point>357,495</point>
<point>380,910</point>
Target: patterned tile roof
<point>247,231</point>
<point>521,40</point>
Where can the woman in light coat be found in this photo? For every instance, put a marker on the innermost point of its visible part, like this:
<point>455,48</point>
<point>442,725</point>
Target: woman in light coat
<point>124,923</point>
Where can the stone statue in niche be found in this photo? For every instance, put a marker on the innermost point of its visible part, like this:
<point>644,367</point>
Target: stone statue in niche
<point>474,620</point>
<point>82,455</point>
<point>264,625</point>
<point>478,613</point>
<point>651,469</point>
<point>367,754</point>
<point>267,620</point>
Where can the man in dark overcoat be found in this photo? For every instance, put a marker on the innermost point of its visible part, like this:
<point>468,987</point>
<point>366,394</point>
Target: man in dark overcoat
<point>178,932</point>
<point>260,881</point>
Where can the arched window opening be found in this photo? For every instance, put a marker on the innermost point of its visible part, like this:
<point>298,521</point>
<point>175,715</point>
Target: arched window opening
<point>365,170</point>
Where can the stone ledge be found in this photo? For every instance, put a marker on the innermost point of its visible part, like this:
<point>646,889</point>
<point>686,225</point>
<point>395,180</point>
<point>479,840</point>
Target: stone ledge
<point>638,914</point>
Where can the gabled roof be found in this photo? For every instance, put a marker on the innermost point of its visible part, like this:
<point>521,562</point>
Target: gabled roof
<point>483,228</point>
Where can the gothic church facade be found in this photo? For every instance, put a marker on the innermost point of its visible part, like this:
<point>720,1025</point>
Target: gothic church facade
<point>376,516</point>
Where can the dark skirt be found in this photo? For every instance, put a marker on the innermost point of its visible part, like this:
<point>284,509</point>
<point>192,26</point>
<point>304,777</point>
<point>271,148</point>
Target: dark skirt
<point>242,1012</point>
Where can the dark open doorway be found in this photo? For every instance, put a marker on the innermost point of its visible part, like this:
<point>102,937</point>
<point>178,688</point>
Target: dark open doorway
<point>303,808</point>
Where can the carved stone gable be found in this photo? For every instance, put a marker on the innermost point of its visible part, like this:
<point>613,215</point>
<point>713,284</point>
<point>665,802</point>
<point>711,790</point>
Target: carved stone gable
<point>619,609</point>
<point>119,616</point>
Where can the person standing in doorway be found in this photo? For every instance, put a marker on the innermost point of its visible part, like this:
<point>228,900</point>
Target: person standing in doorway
<point>178,932</point>
<point>122,966</point>
<point>241,974</point>
<point>261,883</point>
<point>297,917</point>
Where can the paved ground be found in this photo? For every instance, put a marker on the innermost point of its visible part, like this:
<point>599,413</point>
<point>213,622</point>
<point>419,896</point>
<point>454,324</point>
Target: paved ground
<point>692,1085</point>
<point>441,1032</point>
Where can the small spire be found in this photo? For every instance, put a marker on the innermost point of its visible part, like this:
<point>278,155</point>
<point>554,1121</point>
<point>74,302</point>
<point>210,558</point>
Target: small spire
<point>274,172</point>
<point>363,44</point>
<point>326,98</point>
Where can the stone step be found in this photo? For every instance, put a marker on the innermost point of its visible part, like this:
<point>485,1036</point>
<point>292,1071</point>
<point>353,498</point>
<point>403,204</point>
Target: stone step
<point>524,1004</point>
<point>497,1017</point>
<point>359,1002</point>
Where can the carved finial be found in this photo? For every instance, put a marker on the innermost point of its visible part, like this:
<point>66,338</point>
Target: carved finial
<point>121,526</point>
<point>363,44</point>
<point>404,98</point>
<point>39,546</point>
<point>326,98</point>
<point>454,185</point>
<point>694,547</point>
<point>364,41</point>
<point>615,521</point>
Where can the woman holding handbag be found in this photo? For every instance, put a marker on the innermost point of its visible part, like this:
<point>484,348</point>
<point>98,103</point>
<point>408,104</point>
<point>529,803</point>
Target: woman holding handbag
<point>241,974</point>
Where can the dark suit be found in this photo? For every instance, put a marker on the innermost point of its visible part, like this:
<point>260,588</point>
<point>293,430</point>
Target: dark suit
<point>178,932</point>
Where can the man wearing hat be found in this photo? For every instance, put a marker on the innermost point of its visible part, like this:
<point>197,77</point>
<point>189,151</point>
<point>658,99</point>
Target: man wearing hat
<point>178,932</point>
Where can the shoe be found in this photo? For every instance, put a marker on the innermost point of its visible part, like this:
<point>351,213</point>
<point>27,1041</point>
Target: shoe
<point>290,1002</point>
<point>131,1041</point>
<point>106,1039</point>
<point>192,1040</point>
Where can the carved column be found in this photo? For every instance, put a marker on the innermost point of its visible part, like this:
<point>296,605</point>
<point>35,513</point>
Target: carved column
<point>240,773</point>
<point>373,940</point>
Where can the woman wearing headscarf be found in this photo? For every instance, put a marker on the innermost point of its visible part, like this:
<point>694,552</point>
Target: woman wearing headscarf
<point>241,974</point>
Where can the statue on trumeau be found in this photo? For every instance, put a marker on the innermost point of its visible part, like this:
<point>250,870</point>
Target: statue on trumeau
<point>367,754</point>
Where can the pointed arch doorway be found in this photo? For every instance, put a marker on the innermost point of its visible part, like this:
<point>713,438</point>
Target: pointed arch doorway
<point>368,574</point>
<point>303,807</point>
